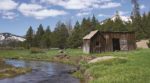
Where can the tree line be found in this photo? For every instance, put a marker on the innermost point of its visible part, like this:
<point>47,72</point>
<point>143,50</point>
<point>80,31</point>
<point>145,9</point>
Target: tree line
<point>68,36</point>
<point>63,36</point>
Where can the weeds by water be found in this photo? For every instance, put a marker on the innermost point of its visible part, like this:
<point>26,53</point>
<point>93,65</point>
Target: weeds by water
<point>10,71</point>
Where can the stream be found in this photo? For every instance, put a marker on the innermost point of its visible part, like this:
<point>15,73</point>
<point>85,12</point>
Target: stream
<point>42,72</point>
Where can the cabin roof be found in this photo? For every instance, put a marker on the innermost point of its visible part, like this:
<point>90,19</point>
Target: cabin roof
<point>118,32</point>
<point>90,35</point>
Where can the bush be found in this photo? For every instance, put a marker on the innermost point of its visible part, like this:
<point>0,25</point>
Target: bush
<point>36,50</point>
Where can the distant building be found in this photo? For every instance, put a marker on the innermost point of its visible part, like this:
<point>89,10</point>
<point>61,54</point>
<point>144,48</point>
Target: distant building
<point>97,42</point>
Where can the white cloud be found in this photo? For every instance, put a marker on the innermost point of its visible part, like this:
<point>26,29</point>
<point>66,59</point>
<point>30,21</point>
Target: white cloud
<point>8,15</point>
<point>142,6</point>
<point>6,5</point>
<point>103,15</point>
<point>123,13</point>
<point>110,5</point>
<point>34,9</point>
<point>82,4</point>
<point>6,8</point>
<point>83,13</point>
<point>38,11</point>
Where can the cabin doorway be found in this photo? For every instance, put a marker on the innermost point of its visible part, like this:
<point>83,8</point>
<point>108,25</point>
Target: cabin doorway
<point>116,44</point>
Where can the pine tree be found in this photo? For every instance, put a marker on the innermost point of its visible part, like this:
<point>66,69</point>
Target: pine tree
<point>40,30</point>
<point>145,22</point>
<point>136,10</point>
<point>60,36</point>
<point>29,37</point>
<point>38,37</point>
<point>86,25</point>
<point>137,20</point>
<point>118,24</point>
<point>95,23</point>
<point>75,40</point>
<point>107,26</point>
<point>46,38</point>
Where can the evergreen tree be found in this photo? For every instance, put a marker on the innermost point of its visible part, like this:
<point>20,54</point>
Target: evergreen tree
<point>95,23</point>
<point>107,26</point>
<point>29,37</point>
<point>137,20</point>
<point>86,26</point>
<point>46,38</point>
<point>75,40</point>
<point>40,31</point>
<point>60,36</point>
<point>118,24</point>
<point>38,37</point>
<point>136,10</point>
<point>144,31</point>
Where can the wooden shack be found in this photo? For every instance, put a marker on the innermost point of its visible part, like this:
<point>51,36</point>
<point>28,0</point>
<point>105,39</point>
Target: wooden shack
<point>97,42</point>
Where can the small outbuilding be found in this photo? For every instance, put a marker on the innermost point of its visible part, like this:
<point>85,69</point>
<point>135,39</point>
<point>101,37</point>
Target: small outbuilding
<point>97,42</point>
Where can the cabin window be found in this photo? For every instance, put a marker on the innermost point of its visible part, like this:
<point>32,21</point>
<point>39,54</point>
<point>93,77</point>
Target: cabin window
<point>98,44</point>
<point>123,42</point>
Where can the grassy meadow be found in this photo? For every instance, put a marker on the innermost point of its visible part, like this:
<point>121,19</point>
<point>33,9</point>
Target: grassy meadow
<point>44,55</point>
<point>74,55</point>
<point>135,68</point>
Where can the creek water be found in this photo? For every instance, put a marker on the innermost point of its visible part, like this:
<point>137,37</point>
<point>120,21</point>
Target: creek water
<point>42,72</point>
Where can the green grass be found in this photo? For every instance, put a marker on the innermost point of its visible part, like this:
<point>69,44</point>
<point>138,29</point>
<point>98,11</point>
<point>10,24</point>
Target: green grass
<point>46,55</point>
<point>28,55</point>
<point>135,70</point>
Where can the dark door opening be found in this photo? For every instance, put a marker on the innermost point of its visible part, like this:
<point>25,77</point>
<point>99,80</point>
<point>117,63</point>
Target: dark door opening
<point>116,44</point>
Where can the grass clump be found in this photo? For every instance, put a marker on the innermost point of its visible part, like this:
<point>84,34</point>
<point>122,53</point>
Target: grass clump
<point>79,75</point>
<point>13,71</point>
<point>10,71</point>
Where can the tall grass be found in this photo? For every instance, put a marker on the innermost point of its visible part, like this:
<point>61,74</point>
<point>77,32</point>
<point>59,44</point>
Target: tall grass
<point>135,70</point>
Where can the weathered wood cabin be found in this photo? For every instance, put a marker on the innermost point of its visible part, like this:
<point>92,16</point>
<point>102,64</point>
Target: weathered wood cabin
<point>97,42</point>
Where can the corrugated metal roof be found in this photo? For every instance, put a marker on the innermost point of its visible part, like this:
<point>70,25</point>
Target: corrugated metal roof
<point>90,35</point>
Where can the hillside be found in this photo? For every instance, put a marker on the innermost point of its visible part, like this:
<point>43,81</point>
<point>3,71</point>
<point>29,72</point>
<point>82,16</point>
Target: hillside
<point>8,37</point>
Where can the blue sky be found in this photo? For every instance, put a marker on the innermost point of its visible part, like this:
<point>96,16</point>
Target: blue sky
<point>17,15</point>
